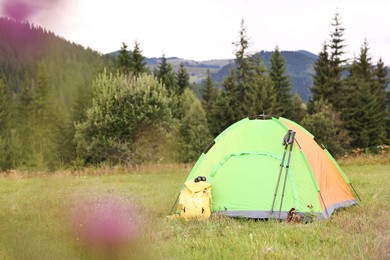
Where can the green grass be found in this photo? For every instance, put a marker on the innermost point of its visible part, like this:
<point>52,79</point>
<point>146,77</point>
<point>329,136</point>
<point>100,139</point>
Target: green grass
<point>35,222</point>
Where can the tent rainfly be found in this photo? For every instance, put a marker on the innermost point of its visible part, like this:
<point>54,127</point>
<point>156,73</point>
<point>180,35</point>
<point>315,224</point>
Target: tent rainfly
<point>261,168</point>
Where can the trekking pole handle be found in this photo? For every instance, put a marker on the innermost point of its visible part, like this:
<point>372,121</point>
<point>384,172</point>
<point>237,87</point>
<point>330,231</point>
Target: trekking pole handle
<point>289,137</point>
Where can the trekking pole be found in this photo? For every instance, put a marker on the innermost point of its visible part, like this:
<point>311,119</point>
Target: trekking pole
<point>291,142</point>
<point>285,143</point>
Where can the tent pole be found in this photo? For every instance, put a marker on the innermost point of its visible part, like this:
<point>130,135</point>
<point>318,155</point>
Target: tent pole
<point>291,142</point>
<point>326,209</point>
<point>174,204</point>
<point>355,191</point>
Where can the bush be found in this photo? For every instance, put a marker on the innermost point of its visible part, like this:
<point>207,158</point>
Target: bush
<point>194,135</point>
<point>321,125</point>
<point>122,107</point>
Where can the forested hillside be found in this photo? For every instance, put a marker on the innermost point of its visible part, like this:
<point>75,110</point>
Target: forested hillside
<point>62,105</point>
<point>69,66</point>
<point>45,82</point>
<point>299,68</point>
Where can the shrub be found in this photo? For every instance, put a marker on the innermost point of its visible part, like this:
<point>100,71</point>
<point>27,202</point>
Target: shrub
<point>122,106</point>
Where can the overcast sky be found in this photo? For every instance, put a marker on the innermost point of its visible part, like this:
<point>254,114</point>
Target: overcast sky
<point>205,29</point>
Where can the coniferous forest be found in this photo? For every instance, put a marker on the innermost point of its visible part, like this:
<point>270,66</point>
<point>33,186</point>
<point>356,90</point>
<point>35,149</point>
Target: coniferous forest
<point>63,105</point>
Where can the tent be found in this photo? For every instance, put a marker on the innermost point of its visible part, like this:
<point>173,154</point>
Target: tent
<point>263,167</point>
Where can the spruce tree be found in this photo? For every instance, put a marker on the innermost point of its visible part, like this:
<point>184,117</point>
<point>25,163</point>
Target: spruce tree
<point>265,101</point>
<point>329,84</point>
<point>5,108</point>
<point>365,118</point>
<point>298,109</point>
<point>45,122</point>
<point>183,79</point>
<point>244,99</point>
<point>247,89</point>
<point>337,64</point>
<point>387,118</point>
<point>208,92</point>
<point>137,63</point>
<point>124,59</point>
<point>223,114</point>
<point>240,93</point>
<point>225,107</point>
<point>5,126</point>
<point>22,147</point>
<point>209,99</point>
<point>380,75</point>
<point>167,76</point>
<point>382,81</point>
<point>322,88</point>
<point>281,84</point>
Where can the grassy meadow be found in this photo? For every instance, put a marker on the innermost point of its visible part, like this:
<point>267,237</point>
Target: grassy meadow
<point>42,215</point>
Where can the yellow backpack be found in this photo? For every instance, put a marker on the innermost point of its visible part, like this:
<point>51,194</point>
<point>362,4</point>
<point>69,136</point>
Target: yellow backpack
<point>195,199</point>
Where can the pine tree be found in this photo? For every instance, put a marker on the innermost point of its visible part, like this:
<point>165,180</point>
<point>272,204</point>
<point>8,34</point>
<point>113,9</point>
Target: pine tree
<point>225,107</point>
<point>329,84</point>
<point>337,63</point>
<point>183,79</point>
<point>298,109</point>
<point>265,101</point>
<point>22,148</point>
<point>387,118</point>
<point>5,125</point>
<point>380,75</point>
<point>208,92</point>
<point>382,81</point>
<point>240,93</point>
<point>244,101</point>
<point>45,122</point>
<point>137,64</point>
<point>247,89</point>
<point>5,108</point>
<point>167,76</point>
<point>223,114</point>
<point>322,88</point>
<point>124,59</point>
<point>281,84</point>
<point>209,98</point>
<point>364,116</point>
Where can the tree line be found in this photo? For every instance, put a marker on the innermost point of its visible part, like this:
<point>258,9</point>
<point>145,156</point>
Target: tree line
<point>130,115</point>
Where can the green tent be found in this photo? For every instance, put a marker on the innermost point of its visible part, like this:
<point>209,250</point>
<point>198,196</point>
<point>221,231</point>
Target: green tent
<point>262,168</point>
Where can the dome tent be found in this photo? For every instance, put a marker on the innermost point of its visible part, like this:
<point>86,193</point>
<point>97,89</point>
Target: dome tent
<point>262,168</point>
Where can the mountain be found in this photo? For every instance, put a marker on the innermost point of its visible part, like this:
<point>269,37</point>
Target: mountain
<point>299,68</point>
<point>196,69</point>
